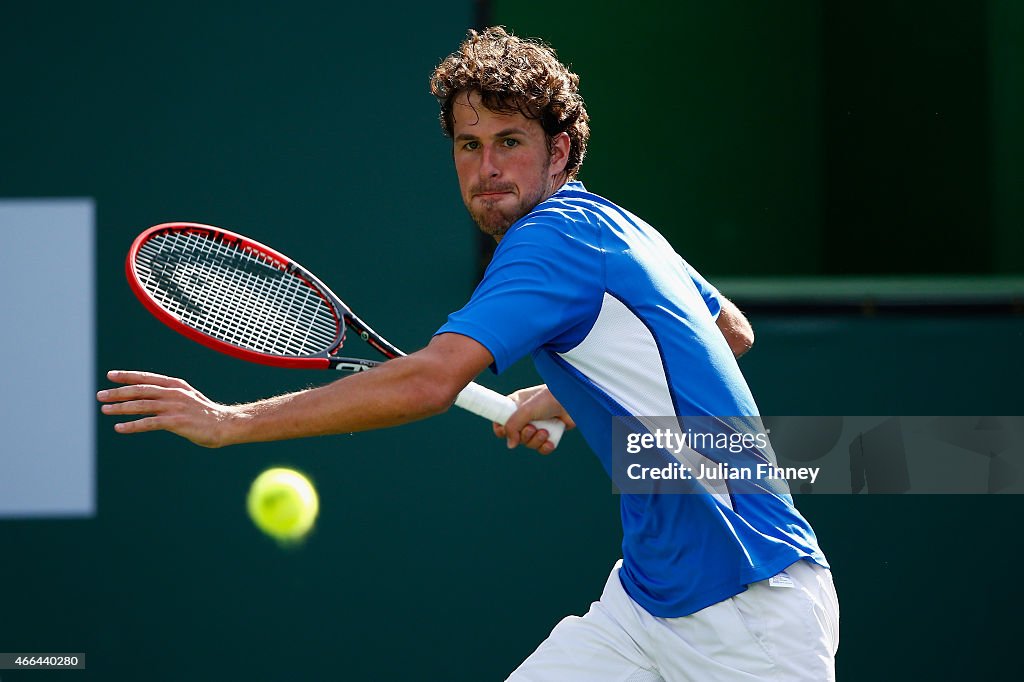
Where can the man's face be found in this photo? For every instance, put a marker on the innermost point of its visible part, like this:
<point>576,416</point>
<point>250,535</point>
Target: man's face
<point>503,163</point>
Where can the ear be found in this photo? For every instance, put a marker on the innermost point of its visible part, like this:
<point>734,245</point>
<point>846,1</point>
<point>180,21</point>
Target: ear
<point>559,153</point>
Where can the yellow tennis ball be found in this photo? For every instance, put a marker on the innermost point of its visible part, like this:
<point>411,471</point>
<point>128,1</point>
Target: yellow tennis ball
<point>283,504</point>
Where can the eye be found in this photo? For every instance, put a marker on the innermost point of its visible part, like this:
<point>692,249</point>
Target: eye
<point>471,145</point>
<point>510,142</point>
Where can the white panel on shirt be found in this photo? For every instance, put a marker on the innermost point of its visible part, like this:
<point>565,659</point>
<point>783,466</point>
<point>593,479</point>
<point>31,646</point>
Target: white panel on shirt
<point>621,357</point>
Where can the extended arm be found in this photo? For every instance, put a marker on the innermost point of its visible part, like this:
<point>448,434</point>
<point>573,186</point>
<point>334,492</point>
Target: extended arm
<point>420,385</point>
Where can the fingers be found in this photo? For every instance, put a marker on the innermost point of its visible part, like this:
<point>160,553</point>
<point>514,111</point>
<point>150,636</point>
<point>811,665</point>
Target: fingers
<point>133,407</point>
<point>135,392</point>
<point>528,436</point>
<point>135,400</point>
<point>121,376</point>
<point>140,425</point>
<point>537,439</point>
<point>533,404</point>
<point>164,404</point>
<point>516,428</point>
<point>145,393</point>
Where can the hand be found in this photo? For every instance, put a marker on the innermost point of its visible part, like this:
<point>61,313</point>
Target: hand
<point>174,405</point>
<point>534,403</point>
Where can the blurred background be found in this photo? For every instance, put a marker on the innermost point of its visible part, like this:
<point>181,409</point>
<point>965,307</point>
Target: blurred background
<point>851,174</point>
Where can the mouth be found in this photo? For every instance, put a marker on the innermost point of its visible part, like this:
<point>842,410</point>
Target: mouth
<point>491,194</point>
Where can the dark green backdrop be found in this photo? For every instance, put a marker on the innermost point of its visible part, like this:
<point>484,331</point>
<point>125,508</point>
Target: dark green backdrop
<point>765,139</point>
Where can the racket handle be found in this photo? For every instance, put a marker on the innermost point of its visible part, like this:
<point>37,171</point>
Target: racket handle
<point>498,408</point>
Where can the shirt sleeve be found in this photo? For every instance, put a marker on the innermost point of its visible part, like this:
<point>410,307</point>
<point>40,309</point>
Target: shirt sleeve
<point>708,292</point>
<point>542,288</point>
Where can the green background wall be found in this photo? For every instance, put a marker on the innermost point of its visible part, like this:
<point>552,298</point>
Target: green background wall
<point>439,555</point>
<point>806,137</point>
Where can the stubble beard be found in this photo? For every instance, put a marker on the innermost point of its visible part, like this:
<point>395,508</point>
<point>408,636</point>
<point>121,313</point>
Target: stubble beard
<point>495,221</point>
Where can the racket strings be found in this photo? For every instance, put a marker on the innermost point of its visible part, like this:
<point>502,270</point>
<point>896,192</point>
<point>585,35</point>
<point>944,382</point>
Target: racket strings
<point>235,294</point>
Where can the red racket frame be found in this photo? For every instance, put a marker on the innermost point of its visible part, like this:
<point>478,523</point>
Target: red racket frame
<point>324,360</point>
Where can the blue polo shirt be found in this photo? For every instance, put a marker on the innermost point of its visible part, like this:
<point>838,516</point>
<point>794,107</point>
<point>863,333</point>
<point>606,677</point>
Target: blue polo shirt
<point>619,325</point>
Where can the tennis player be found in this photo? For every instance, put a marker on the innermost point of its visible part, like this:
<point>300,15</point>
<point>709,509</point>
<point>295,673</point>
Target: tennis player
<point>710,587</point>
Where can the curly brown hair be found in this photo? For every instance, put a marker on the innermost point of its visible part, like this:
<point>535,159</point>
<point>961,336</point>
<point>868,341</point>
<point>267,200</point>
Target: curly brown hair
<point>516,75</point>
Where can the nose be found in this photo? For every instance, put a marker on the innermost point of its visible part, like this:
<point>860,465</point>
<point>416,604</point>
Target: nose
<point>488,164</point>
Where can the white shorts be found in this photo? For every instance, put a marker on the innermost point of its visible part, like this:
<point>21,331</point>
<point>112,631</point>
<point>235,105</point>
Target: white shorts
<point>784,628</point>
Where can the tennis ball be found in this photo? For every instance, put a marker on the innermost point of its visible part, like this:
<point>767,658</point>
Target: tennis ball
<point>283,504</point>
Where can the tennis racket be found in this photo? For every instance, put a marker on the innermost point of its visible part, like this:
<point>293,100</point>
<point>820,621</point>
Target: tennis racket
<point>242,298</point>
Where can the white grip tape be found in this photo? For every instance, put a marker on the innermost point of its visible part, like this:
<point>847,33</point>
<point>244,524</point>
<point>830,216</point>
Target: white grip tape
<point>498,408</point>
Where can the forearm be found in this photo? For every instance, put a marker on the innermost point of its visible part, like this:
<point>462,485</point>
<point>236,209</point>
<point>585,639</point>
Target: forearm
<point>392,394</point>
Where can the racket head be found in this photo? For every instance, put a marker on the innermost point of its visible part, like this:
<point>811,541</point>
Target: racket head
<point>236,295</point>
